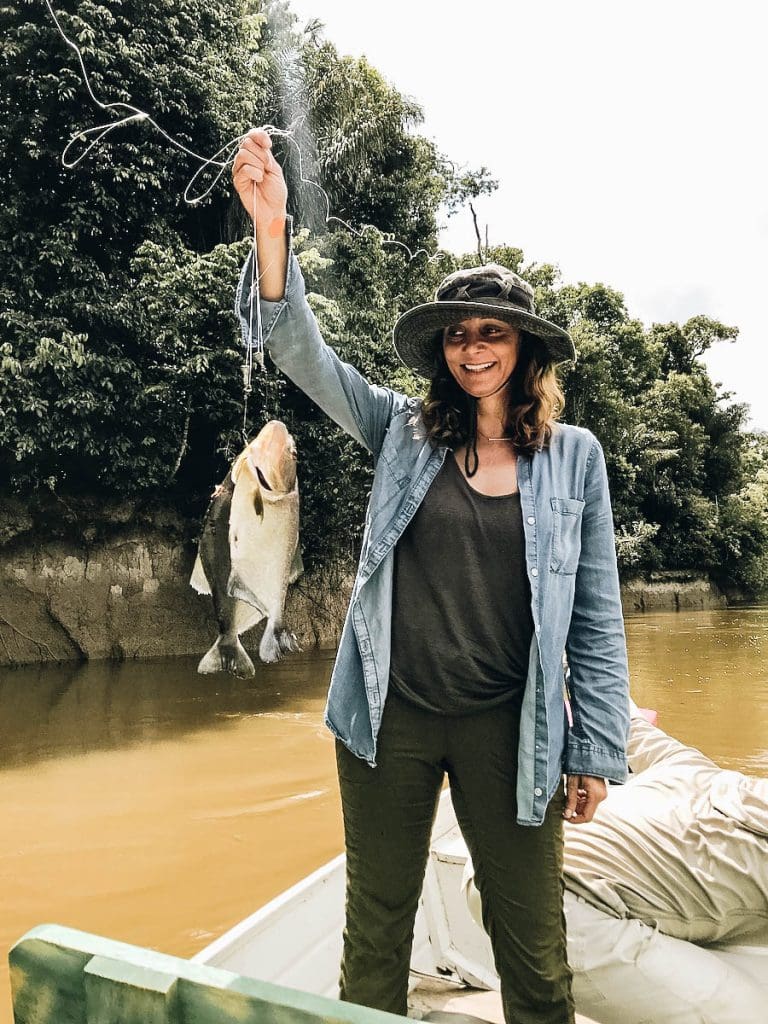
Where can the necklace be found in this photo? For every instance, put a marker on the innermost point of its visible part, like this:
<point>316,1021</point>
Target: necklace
<point>486,438</point>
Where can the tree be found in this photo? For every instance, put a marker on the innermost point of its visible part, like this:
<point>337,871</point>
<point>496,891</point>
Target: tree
<point>73,373</point>
<point>119,355</point>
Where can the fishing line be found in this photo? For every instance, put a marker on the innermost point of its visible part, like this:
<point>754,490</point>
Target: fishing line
<point>254,300</point>
<point>229,148</point>
<point>221,159</point>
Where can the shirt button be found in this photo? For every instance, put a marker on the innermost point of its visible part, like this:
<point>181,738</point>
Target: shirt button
<point>537,791</point>
<point>534,571</point>
<point>531,520</point>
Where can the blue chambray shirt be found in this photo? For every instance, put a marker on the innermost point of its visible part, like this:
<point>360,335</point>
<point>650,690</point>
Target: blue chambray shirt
<point>570,558</point>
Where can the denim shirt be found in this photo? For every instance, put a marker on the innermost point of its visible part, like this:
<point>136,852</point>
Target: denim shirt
<point>570,557</point>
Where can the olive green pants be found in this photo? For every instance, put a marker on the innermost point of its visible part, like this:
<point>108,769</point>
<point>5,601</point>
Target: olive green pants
<point>388,815</point>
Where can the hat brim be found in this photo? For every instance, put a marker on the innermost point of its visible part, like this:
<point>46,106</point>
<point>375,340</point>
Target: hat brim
<point>414,333</point>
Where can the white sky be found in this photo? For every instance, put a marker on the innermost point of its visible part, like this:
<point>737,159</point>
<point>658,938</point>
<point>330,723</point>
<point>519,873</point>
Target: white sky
<point>629,140</point>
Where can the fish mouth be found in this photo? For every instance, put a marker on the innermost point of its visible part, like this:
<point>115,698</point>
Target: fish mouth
<point>258,473</point>
<point>271,459</point>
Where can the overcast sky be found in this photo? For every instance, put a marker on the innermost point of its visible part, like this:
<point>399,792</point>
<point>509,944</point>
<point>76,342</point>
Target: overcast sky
<point>629,140</point>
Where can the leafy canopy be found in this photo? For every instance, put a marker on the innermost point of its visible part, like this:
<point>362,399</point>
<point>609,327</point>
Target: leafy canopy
<point>120,358</point>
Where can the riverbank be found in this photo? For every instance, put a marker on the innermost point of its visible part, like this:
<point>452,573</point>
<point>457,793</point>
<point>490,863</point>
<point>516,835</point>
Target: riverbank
<point>113,583</point>
<point>80,582</point>
<point>683,590</point>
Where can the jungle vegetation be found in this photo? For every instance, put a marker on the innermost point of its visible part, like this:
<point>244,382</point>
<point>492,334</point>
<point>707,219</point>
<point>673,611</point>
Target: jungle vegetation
<point>120,359</point>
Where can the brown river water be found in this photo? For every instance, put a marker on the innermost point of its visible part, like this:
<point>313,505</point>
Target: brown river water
<point>147,803</point>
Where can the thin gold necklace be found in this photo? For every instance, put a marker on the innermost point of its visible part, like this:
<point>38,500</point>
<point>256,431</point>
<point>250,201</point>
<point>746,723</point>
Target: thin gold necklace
<point>486,438</point>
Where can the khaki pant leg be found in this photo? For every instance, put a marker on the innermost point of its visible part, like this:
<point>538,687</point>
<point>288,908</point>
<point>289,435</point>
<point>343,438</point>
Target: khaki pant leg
<point>626,972</point>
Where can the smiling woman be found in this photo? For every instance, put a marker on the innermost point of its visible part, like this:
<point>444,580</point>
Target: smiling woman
<point>486,350</point>
<point>451,658</point>
<point>492,378</point>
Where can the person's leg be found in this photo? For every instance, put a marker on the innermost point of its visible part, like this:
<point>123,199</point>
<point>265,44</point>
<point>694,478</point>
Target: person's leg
<point>518,869</point>
<point>749,960</point>
<point>388,815</point>
<point>626,972</point>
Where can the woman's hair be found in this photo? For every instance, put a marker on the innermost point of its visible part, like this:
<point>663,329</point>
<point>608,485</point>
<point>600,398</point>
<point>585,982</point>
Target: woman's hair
<point>534,401</point>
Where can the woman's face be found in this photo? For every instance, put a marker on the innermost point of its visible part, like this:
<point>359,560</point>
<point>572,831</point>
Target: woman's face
<point>481,354</point>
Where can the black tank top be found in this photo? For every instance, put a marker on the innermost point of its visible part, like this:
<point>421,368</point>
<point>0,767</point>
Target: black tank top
<point>461,618</point>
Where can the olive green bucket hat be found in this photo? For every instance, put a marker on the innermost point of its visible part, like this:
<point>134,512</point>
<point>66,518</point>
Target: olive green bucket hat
<point>487,291</point>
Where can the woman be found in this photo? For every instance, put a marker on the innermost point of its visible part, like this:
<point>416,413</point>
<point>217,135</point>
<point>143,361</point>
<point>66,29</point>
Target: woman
<point>488,550</point>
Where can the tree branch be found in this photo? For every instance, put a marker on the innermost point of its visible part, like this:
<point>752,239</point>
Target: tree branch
<point>477,233</point>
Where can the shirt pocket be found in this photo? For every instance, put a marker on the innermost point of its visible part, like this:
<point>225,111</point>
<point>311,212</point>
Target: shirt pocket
<point>566,534</point>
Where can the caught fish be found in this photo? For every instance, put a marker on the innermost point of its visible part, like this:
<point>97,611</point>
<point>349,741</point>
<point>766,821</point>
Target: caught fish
<point>249,551</point>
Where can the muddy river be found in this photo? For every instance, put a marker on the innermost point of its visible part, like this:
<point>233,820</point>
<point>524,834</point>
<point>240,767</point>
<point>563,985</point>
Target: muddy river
<point>150,804</point>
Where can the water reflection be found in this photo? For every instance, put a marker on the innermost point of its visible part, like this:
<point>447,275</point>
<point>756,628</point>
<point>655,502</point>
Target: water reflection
<point>70,710</point>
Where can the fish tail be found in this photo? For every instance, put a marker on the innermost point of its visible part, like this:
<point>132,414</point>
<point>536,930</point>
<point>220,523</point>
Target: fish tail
<point>227,658</point>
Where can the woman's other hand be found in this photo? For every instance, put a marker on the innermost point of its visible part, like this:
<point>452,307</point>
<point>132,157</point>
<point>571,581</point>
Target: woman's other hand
<point>256,168</point>
<point>582,795</point>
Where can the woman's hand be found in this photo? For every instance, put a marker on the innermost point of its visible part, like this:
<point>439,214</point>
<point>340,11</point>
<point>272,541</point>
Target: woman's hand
<point>582,795</point>
<point>256,168</point>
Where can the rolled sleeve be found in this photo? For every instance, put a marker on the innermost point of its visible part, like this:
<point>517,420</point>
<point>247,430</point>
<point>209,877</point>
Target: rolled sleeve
<point>596,645</point>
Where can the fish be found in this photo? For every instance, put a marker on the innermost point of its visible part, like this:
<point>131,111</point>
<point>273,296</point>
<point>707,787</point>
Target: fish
<point>249,551</point>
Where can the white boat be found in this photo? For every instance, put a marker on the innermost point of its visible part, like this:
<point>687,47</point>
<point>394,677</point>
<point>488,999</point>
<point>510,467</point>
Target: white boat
<point>283,956</point>
<point>296,939</point>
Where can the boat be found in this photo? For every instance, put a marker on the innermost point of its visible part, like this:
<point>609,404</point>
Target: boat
<point>284,957</point>
<point>295,940</point>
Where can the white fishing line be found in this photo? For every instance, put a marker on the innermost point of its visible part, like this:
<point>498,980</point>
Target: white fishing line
<point>221,159</point>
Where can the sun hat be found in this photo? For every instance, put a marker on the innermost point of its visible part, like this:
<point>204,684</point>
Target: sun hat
<point>487,291</point>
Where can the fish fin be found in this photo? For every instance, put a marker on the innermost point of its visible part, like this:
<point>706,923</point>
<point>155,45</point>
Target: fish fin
<point>198,580</point>
<point>297,565</point>
<point>237,588</point>
<point>276,642</point>
<point>246,616</point>
<point>269,648</point>
<point>226,657</point>
<point>258,502</point>
<point>288,642</point>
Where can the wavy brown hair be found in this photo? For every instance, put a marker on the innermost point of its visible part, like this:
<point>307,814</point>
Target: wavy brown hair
<point>534,401</point>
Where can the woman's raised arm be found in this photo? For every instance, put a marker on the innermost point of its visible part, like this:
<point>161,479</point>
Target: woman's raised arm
<point>289,326</point>
<point>259,181</point>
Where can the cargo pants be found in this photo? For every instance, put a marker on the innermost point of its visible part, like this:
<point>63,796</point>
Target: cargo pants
<point>388,815</point>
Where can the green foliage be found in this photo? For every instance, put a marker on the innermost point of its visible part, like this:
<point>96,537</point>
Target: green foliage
<point>120,359</point>
<point>675,450</point>
<point>741,540</point>
<point>463,184</point>
<point>79,376</point>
